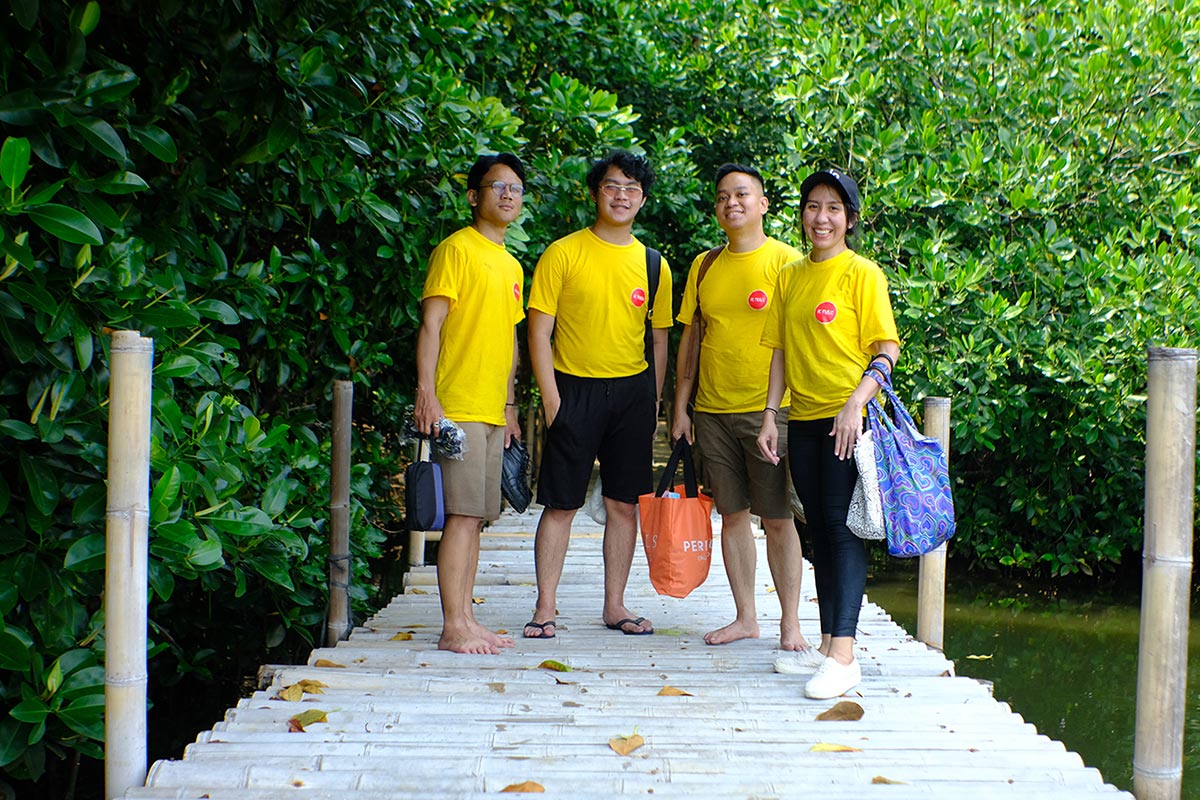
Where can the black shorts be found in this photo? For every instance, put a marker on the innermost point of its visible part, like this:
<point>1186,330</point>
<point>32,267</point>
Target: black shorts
<point>612,419</point>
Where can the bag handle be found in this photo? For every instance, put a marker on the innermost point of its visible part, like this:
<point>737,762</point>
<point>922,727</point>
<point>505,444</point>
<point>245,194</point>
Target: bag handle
<point>682,452</point>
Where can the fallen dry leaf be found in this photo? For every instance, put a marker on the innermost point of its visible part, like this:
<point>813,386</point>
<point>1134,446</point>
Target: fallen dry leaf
<point>980,658</point>
<point>325,662</point>
<point>292,694</point>
<point>889,781</point>
<point>298,723</point>
<point>417,591</point>
<point>624,745</point>
<point>478,600</point>
<point>502,631</point>
<point>527,786</point>
<point>671,691</point>
<point>841,712</point>
<point>557,666</point>
<point>828,747</point>
<point>415,625</point>
<point>401,637</point>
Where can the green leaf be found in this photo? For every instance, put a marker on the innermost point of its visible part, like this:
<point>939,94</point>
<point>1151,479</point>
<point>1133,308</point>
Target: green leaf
<point>161,580</point>
<point>35,296</point>
<point>90,505</point>
<point>85,716</point>
<point>107,85</point>
<point>42,483</point>
<point>181,366</point>
<point>14,161</point>
<point>218,310</point>
<point>207,554</point>
<point>274,570</point>
<point>171,314</point>
<point>157,142</point>
<point>381,208</point>
<point>103,137</point>
<point>5,494</point>
<point>84,344</point>
<point>87,554</point>
<point>357,145</point>
<point>15,649</point>
<point>21,431</point>
<point>122,183</point>
<point>66,223</point>
<point>8,597</point>
<point>12,733</point>
<point>166,492</point>
<point>31,710</point>
<point>90,18</point>
<point>242,522</point>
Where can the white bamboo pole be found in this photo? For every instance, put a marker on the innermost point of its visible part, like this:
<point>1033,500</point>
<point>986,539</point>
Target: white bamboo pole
<point>125,562</point>
<point>931,583</point>
<point>1166,574</point>
<point>337,622</point>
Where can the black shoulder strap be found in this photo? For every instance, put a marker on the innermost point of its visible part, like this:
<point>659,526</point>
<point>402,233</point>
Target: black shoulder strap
<point>653,268</point>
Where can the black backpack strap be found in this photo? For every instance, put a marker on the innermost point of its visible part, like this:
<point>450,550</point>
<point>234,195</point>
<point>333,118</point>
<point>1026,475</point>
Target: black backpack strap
<point>653,268</point>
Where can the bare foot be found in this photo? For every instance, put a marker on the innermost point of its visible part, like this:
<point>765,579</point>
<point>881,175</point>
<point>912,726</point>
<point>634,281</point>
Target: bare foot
<point>790,637</point>
<point>732,632</point>
<point>626,621</point>
<point>490,636</point>
<point>466,642</point>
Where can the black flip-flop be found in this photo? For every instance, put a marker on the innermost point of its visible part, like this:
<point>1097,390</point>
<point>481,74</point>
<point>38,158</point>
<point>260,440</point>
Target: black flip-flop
<point>619,625</point>
<point>541,626</point>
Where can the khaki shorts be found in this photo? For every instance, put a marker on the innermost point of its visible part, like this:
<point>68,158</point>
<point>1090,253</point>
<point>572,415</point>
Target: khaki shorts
<point>472,486</point>
<point>738,475</point>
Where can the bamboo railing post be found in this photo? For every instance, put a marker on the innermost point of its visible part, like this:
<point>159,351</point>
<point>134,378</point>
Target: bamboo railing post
<point>337,622</point>
<point>931,583</point>
<point>126,583</point>
<point>1166,574</point>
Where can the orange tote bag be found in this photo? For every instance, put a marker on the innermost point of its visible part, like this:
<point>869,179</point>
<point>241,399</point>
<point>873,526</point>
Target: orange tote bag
<point>677,528</point>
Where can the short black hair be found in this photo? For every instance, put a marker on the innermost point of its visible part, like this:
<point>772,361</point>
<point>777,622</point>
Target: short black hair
<point>484,163</point>
<point>635,166</point>
<point>727,168</point>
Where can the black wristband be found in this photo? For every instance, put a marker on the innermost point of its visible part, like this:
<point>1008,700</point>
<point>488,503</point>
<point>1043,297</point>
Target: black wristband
<point>891,362</point>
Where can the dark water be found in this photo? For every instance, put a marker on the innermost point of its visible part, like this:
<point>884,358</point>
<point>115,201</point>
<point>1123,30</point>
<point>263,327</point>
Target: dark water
<point>1066,665</point>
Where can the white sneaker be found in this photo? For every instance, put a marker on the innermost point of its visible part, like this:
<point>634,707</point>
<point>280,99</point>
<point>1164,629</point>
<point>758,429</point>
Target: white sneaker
<point>833,680</point>
<point>801,661</point>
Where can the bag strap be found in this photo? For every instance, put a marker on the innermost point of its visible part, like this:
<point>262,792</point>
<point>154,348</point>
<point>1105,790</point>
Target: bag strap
<point>682,452</point>
<point>653,268</point>
<point>693,363</point>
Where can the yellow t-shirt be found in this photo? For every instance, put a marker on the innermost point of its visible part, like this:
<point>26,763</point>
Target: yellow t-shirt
<point>597,294</point>
<point>735,296</point>
<point>825,318</point>
<point>484,285</point>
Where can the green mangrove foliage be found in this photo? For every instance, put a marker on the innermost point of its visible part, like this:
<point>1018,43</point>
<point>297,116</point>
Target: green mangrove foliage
<point>256,184</point>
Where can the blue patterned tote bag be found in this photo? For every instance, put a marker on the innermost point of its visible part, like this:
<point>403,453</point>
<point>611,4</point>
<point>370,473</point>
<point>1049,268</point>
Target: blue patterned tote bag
<point>914,481</point>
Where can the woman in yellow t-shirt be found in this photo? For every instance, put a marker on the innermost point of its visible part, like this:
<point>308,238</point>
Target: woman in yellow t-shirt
<point>831,318</point>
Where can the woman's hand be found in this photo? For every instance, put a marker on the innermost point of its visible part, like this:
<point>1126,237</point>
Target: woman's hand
<point>768,438</point>
<point>847,427</point>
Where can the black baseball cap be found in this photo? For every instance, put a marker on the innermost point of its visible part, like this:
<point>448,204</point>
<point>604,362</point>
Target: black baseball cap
<point>839,180</point>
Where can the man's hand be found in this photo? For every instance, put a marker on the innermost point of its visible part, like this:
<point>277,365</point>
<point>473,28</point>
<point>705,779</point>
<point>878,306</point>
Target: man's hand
<point>427,412</point>
<point>512,428</point>
<point>682,427</point>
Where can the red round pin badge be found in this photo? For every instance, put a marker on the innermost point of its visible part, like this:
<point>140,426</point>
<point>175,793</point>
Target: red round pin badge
<point>826,313</point>
<point>757,300</point>
<point>638,298</point>
<point>517,290</point>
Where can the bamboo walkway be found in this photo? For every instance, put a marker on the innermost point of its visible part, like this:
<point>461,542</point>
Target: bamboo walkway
<point>404,720</point>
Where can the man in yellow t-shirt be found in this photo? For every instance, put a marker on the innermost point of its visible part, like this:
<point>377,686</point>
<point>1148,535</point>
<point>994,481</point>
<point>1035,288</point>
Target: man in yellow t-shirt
<point>591,294</point>
<point>733,298</point>
<point>466,360</point>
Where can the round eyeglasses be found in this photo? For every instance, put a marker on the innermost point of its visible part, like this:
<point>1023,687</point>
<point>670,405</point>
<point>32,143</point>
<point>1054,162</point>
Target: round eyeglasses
<point>613,189</point>
<point>500,187</point>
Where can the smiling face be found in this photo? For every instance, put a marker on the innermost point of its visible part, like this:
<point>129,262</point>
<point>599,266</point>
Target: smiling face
<point>826,220</point>
<point>741,203</point>
<point>619,199</point>
<point>492,208</point>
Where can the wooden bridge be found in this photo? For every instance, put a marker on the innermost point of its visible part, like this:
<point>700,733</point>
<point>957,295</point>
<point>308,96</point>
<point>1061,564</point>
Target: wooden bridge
<point>387,715</point>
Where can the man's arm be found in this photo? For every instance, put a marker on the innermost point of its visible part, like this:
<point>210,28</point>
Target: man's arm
<point>660,361</point>
<point>428,409</point>
<point>685,382</point>
<point>541,355</point>
<point>512,428</point>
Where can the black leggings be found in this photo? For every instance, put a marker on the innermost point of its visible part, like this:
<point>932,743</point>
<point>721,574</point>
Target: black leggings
<point>839,558</point>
